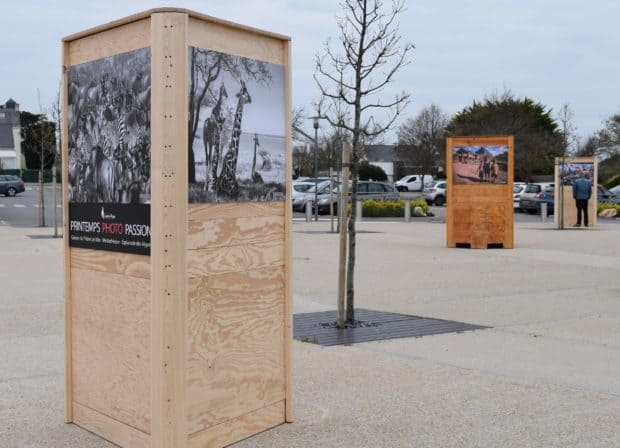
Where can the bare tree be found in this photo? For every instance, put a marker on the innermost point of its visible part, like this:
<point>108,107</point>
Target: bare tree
<point>565,116</point>
<point>421,140</point>
<point>352,77</point>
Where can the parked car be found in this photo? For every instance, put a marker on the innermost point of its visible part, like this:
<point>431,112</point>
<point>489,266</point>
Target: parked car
<point>547,196</point>
<point>436,193</point>
<point>604,195</point>
<point>517,189</point>
<point>413,182</point>
<point>11,185</point>
<point>615,190</point>
<point>528,200</point>
<point>366,189</point>
<point>301,197</point>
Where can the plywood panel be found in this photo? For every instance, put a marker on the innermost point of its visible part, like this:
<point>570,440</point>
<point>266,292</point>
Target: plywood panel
<point>569,204</point>
<point>111,345</point>
<point>110,429</point>
<point>113,262</point>
<point>236,351</point>
<point>234,231</point>
<point>239,42</point>
<point>128,37</point>
<point>240,428</point>
<point>479,215</point>
<point>169,227</point>
<point>206,212</point>
<point>220,260</point>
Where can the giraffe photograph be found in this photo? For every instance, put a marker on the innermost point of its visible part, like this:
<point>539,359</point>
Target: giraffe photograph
<point>236,148</point>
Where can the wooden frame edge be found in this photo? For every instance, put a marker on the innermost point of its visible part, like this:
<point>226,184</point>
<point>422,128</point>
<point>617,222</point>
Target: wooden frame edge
<point>288,222</point>
<point>169,229</point>
<point>64,129</point>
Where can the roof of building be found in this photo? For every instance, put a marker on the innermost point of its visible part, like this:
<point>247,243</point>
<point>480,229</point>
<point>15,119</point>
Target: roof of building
<point>6,135</point>
<point>9,116</point>
<point>10,104</point>
<point>380,153</point>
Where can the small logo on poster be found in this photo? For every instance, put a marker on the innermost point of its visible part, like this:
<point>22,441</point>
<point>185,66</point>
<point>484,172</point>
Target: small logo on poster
<point>106,216</point>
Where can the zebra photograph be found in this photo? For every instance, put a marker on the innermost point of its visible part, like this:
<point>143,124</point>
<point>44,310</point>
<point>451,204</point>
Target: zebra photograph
<point>236,147</point>
<point>109,130</point>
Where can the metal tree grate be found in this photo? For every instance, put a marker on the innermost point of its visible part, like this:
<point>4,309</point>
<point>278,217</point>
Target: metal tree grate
<point>320,328</point>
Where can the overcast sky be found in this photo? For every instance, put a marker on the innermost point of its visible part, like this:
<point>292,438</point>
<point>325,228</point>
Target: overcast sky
<point>553,51</point>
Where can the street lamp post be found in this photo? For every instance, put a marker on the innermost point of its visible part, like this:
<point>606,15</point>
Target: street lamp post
<point>315,122</point>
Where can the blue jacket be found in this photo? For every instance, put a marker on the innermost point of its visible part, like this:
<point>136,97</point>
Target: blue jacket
<point>582,188</point>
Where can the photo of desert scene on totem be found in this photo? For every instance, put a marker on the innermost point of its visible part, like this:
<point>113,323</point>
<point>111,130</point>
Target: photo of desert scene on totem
<point>480,164</point>
<point>236,148</point>
<point>570,172</point>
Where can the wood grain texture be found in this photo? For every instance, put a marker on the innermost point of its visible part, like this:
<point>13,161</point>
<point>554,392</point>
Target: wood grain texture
<point>221,260</point>
<point>234,231</point>
<point>111,345</point>
<point>64,129</point>
<point>169,228</point>
<point>110,429</point>
<point>480,215</point>
<point>236,41</point>
<point>239,428</point>
<point>236,352</point>
<point>288,244</point>
<point>128,37</point>
<point>206,212</point>
<point>112,262</point>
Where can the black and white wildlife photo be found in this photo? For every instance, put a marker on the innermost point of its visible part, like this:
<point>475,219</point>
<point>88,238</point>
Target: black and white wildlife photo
<point>236,128</point>
<point>110,152</point>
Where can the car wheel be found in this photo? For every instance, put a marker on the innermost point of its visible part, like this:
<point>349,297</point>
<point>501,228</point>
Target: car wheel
<point>531,211</point>
<point>11,192</point>
<point>439,201</point>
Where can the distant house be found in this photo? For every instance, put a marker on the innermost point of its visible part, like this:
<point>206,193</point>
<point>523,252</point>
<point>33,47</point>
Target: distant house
<point>383,156</point>
<point>11,156</point>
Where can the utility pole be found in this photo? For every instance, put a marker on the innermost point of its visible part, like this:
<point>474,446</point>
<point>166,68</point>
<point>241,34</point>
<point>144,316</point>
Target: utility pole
<point>315,122</point>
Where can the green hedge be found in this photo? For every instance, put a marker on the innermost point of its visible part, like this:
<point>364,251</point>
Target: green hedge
<point>603,206</point>
<point>612,181</point>
<point>388,209</point>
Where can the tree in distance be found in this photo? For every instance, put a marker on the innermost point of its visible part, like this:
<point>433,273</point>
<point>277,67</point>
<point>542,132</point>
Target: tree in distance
<point>538,141</point>
<point>421,141</point>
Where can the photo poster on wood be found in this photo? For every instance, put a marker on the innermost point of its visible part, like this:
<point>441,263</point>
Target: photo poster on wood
<point>569,169</point>
<point>480,164</point>
<point>237,142</point>
<point>480,212</point>
<point>109,174</point>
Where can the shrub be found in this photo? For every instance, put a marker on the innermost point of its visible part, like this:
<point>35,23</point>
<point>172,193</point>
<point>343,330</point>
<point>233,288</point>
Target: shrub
<point>605,205</point>
<point>368,172</point>
<point>390,209</point>
<point>612,181</point>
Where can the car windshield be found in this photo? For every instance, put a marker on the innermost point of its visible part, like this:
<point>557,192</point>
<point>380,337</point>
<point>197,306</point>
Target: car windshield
<point>518,188</point>
<point>302,187</point>
<point>531,188</point>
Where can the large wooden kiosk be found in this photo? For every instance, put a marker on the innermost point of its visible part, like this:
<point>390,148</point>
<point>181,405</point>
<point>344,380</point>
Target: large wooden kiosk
<point>568,169</point>
<point>479,195</point>
<point>177,163</point>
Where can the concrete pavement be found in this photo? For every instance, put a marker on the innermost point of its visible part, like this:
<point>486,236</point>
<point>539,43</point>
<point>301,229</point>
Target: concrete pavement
<point>546,375</point>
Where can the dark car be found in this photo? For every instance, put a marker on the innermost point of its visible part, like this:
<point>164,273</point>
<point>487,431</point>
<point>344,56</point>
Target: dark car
<point>365,190</point>
<point>547,196</point>
<point>11,185</point>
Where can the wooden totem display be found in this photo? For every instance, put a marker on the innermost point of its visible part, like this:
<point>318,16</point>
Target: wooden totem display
<point>479,196</point>
<point>568,169</point>
<point>177,166</point>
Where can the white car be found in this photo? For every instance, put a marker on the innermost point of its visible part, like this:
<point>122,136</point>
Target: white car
<point>413,182</point>
<point>517,189</point>
<point>436,193</point>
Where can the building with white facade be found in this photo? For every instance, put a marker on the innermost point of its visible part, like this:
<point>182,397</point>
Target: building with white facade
<point>11,156</point>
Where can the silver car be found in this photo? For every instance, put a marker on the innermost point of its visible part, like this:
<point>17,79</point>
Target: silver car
<point>435,193</point>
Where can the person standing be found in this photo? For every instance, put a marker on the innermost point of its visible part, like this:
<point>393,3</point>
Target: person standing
<point>582,191</point>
